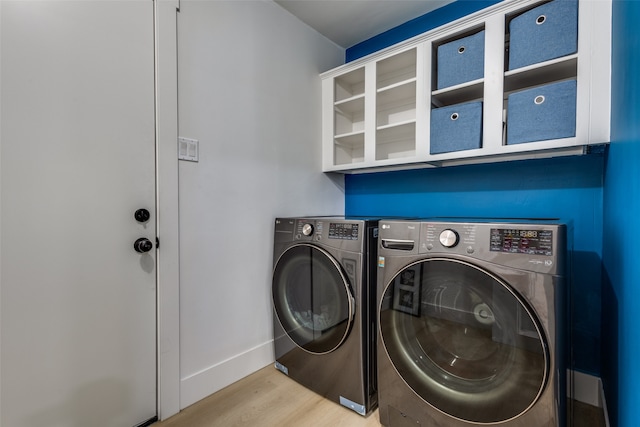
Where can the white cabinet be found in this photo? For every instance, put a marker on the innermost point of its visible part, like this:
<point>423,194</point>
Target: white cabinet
<point>377,110</point>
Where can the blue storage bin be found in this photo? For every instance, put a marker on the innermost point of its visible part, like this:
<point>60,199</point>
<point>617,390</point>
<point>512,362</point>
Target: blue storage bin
<point>457,127</point>
<point>461,60</point>
<point>543,33</point>
<point>541,113</point>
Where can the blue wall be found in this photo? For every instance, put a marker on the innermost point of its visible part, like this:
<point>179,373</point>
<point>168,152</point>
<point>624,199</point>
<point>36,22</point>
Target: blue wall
<point>567,188</point>
<point>621,284</point>
<point>416,26</point>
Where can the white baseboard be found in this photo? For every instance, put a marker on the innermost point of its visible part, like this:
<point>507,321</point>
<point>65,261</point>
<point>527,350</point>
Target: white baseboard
<point>604,406</point>
<point>584,388</point>
<point>587,389</point>
<point>201,384</point>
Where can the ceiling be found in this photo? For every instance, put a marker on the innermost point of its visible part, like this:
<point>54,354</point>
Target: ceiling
<point>349,22</point>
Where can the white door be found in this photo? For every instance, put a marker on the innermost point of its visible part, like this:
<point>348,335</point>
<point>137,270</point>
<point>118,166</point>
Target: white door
<point>78,304</point>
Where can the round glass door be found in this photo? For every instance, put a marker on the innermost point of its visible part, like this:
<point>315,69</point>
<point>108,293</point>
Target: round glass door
<point>312,298</point>
<point>463,341</point>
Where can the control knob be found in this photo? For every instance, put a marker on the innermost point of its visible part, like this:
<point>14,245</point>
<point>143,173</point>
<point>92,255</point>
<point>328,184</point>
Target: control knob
<point>307,229</point>
<point>448,238</point>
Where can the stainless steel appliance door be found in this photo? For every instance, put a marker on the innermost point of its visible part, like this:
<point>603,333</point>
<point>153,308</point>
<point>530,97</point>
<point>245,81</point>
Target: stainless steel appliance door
<point>312,298</point>
<point>463,340</point>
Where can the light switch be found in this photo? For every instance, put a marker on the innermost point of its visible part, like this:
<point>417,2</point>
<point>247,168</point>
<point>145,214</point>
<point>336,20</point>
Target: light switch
<point>188,149</point>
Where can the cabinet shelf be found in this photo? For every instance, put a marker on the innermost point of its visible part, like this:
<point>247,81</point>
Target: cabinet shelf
<point>465,92</point>
<point>545,72</point>
<point>349,115</point>
<point>348,148</point>
<point>397,141</point>
<point>396,125</point>
<point>407,85</point>
<point>396,69</point>
<point>396,104</point>
<point>349,139</point>
<point>350,105</point>
<point>349,85</point>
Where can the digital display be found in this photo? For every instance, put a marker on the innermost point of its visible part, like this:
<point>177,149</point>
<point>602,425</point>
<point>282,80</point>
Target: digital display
<point>344,231</point>
<point>517,241</point>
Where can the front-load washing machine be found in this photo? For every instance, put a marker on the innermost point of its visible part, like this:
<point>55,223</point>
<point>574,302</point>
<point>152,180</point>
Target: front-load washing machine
<point>324,295</point>
<point>472,319</point>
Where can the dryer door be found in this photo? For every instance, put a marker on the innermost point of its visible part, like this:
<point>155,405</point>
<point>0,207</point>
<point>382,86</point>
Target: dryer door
<point>312,298</point>
<point>463,340</point>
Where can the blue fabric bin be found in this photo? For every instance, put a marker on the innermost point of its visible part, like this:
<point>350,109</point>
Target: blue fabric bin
<point>543,33</point>
<point>455,128</point>
<point>542,113</point>
<point>461,60</point>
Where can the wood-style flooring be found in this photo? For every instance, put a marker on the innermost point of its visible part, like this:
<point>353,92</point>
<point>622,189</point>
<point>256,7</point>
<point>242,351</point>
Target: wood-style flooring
<point>268,398</point>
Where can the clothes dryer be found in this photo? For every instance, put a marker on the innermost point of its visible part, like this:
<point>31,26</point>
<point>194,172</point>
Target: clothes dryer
<point>323,293</point>
<point>472,320</point>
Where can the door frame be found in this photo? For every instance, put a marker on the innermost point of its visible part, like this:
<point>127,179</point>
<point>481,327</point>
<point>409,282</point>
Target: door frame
<point>168,271</point>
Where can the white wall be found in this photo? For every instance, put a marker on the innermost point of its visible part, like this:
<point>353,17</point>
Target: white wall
<point>249,91</point>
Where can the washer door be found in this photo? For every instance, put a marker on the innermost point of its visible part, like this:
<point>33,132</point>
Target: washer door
<point>463,341</point>
<point>312,298</point>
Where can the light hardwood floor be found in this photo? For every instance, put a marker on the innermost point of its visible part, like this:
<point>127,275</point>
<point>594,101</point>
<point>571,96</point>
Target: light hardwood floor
<point>268,398</point>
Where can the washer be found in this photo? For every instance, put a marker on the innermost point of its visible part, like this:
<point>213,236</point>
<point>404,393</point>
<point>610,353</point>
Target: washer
<point>472,320</point>
<point>323,294</point>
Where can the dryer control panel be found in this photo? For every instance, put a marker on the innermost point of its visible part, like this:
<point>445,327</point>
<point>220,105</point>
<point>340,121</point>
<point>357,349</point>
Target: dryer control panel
<point>335,232</point>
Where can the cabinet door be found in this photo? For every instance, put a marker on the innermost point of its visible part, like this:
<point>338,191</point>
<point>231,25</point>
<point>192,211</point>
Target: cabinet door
<point>78,159</point>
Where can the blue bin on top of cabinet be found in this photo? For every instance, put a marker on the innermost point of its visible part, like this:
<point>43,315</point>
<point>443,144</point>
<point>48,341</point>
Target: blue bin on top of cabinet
<point>456,128</point>
<point>546,32</point>
<point>461,60</point>
<point>542,113</point>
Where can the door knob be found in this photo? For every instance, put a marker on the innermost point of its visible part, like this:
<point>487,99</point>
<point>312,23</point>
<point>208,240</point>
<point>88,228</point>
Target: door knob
<point>142,245</point>
<point>142,215</point>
